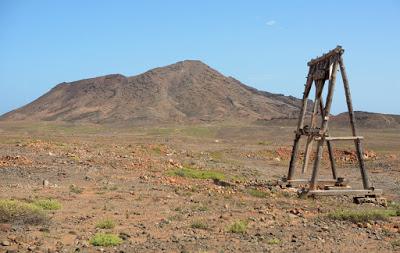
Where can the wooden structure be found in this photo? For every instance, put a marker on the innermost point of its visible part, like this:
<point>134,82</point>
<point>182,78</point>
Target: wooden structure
<point>324,69</point>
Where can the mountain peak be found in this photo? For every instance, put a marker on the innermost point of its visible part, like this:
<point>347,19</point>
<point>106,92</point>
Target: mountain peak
<point>187,90</point>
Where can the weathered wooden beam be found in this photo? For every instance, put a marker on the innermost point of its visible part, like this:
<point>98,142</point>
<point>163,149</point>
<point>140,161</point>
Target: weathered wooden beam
<point>324,127</point>
<point>341,138</point>
<point>337,50</point>
<point>319,182</point>
<point>328,143</point>
<point>344,192</point>
<point>319,86</point>
<point>357,142</point>
<point>300,123</point>
<point>306,93</point>
<point>331,159</point>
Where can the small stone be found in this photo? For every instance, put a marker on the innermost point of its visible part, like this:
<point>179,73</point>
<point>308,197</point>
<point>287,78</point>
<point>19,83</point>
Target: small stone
<point>325,228</point>
<point>46,183</point>
<point>5,243</point>
<point>5,227</point>
<point>124,236</point>
<point>85,244</point>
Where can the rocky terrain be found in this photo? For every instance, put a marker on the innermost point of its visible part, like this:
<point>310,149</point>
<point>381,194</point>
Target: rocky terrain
<point>198,188</point>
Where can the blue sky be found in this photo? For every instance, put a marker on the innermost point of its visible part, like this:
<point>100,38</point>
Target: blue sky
<point>264,44</point>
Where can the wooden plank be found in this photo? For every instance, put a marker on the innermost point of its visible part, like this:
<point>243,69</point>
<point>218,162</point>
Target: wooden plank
<point>319,182</point>
<point>340,138</point>
<point>330,187</point>
<point>345,192</point>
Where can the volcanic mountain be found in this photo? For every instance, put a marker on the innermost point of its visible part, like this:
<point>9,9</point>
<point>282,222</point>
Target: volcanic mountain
<point>187,91</point>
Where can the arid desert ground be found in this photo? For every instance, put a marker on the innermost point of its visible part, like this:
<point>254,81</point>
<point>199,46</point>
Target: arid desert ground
<point>185,188</point>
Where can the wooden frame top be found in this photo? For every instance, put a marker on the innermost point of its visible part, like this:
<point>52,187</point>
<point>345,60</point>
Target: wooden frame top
<point>337,50</point>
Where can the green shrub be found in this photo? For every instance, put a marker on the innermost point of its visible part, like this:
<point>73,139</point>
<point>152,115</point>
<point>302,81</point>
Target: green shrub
<point>363,215</point>
<point>273,241</point>
<point>257,193</point>
<point>395,244</point>
<point>105,224</point>
<point>75,189</point>
<point>102,239</point>
<point>199,225</point>
<point>197,174</point>
<point>18,212</point>
<point>238,226</point>
<point>47,204</point>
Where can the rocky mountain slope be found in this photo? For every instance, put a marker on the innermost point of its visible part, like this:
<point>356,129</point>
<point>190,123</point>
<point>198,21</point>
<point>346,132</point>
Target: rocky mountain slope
<point>187,91</point>
<point>368,120</point>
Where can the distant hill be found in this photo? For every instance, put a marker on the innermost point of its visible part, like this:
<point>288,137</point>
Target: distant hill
<point>187,91</point>
<point>367,120</point>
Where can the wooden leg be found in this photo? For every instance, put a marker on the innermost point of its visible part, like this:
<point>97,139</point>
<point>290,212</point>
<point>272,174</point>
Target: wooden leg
<point>300,123</point>
<point>324,127</point>
<point>316,164</point>
<point>310,139</point>
<point>357,142</point>
<point>309,144</point>
<point>293,157</point>
<point>332,159</point>
<point>328,143</point>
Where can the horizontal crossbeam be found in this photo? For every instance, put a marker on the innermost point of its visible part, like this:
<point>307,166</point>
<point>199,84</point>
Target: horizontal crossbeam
<point>345,192</point>
<point>341,138</point>
<point>307,181</point>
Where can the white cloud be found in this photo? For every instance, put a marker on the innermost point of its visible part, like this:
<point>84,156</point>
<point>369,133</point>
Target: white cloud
<point>271,23</point>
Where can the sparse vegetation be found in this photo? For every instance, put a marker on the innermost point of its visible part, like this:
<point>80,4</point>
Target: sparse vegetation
<point>157,150</point>
<point>201,208</point>
<point>197,174</point>
<point>264,143</point>
<point>257,193</point>
<point>247,205</point>
<point>273,241</point>
<point>105,224</point>
<point>18,212</point>
<point>103,239</point>
<point>199,225</point>
<point>47,204</point>
<point>75,189</point>
<point>363,215</point>
<point>199,131</point>
<point>216,155</point>
<point>395,244</point>
<point>239,227</point>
